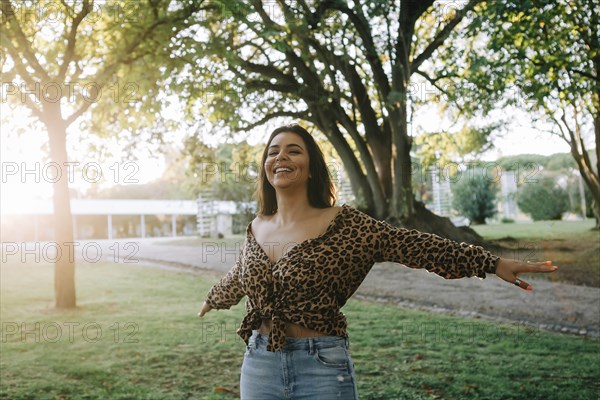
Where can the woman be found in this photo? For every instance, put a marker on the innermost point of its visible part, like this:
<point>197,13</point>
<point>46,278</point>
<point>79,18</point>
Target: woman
<point>303,258</point>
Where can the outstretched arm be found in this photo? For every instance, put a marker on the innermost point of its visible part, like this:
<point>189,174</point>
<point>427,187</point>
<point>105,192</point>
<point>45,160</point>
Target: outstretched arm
<point>228,292</point>
<point>445,257</point>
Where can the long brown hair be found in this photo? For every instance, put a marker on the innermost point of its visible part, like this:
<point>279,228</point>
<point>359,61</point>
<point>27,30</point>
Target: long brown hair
<point>321,191</point>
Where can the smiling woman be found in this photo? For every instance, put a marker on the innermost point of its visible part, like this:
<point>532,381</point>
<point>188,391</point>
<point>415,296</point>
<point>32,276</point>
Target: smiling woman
<point>292,147</point>
<point>287,161</point>
<point>302,260</point>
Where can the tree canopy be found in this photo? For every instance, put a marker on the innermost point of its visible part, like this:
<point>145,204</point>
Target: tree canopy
<point>344,68</point>
<point>543,57</point>
<point>68,60</point>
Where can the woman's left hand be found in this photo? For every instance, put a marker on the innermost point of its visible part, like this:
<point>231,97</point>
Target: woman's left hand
<point>509,270</point>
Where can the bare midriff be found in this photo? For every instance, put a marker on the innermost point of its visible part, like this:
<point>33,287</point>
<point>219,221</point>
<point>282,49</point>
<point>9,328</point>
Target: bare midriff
<point>291,330</point>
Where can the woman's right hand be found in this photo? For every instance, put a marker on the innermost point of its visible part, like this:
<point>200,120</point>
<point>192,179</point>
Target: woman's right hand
<point>205,308</point>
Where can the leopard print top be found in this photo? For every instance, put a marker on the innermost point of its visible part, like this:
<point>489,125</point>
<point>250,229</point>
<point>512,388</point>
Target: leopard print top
<point>311,282</point>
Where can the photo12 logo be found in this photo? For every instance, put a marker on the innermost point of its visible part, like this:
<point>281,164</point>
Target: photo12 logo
<point>34,12</point>
<point>53,172</point>
<point>468,332</point>
<point>53,92</point>
<point>53,332</point>
<point>217,332</point>
<point>51,252</point>
<point>491,171</point>
<point>209,171</point>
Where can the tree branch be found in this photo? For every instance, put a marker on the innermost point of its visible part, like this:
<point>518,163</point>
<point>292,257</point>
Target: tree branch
<point>78,113</point>
<point>264,16</point>
<point>266,85</point>
<point>441,37</point>
<point>276,114</point>
<point>409,13</point>
<point>434,83</point>
<point>585,74</point>
<point>362,26</point>
<point>24,44</point>
<point>266,70</point>
<point>584,153</point>
<point>359,91</point>
<point>71,39</point>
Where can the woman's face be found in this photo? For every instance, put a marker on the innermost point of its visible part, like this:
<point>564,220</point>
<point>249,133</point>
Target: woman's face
<point>287,162</point>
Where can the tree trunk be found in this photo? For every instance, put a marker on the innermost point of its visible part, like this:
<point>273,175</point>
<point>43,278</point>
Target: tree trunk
<point>64,266</point>
<point>596,210</point>
<point>358,180</point>
<point>366,187</point>
<point>596,203</point>
<point>426,221</point>
<point>401,204</point>
<point>404,210</point>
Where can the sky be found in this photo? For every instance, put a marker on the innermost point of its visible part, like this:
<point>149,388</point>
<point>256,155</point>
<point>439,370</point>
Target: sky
<point>519,136</point>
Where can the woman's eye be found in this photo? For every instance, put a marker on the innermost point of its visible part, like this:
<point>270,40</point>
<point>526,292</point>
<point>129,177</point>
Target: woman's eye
<point>272,154</point>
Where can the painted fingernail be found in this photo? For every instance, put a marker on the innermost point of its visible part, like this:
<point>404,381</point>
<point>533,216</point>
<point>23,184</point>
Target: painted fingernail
<point>548,263</point>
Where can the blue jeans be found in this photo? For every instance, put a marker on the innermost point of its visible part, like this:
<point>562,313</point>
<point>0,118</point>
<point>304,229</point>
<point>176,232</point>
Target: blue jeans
<point>305,369</point>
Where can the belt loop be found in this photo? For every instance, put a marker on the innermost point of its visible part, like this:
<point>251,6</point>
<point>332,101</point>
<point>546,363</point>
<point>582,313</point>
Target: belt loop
<point>310,346</point>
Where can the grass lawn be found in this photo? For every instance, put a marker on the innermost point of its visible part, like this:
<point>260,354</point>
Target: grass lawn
<point>135,335</point>
<point>569,244</point>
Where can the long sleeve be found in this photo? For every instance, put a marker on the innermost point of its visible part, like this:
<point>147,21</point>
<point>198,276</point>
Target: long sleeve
<point>314,279</point>
<point>441,256</point>
<point>228,292</point>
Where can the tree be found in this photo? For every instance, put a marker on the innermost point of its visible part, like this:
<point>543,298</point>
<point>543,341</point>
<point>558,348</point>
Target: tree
<point>543,200</point>
<point>67,60</point>
<point>229,171</point>
<point>474,196</point>
<point>446,147</point>
<point>544,57</point>
<point>559,166</point>
<point>343,67</point>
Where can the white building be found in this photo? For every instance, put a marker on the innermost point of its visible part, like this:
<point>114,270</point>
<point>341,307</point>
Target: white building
<point>110,218</point>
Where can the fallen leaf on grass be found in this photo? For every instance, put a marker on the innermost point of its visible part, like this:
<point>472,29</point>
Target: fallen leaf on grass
<point>222,389</point>
<point>434,393</point>
<point>469,387</point>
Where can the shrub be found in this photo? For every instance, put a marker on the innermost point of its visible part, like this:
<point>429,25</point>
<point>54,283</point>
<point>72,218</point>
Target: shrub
<point>475,197</point>
<point>543,200</point>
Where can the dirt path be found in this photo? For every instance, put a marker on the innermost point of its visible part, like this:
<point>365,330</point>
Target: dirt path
<point>550,306</point>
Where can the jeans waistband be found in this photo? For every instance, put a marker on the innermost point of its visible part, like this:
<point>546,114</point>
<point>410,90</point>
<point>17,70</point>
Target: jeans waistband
<point>292,343</point>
